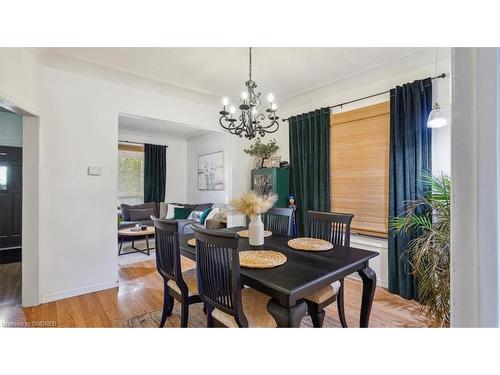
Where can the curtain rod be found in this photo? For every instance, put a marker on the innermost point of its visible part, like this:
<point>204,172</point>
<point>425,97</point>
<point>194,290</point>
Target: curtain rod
<point>443,75</point>
<point>136,143</point>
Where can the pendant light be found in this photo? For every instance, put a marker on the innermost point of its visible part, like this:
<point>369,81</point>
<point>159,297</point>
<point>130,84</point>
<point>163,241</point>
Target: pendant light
<point>437,117</point>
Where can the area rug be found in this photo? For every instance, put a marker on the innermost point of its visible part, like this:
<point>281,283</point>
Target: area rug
<point>197,319</point>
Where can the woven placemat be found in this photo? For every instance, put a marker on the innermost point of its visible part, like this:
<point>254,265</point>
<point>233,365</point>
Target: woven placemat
<point>309,244</point>
<point>192,242</point>
<point>246,234</point>
<point>261,259</point>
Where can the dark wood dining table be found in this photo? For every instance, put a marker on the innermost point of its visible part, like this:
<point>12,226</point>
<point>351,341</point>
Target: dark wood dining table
<point>303,273</point>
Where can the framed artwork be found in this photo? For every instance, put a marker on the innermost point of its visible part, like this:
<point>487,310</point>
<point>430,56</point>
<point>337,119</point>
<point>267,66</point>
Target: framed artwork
<point>257,163</point>
<point>211,171</point>
<point>272,162</point>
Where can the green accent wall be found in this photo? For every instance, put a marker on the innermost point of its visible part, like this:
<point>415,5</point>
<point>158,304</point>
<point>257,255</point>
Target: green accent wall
<point>11,129</point>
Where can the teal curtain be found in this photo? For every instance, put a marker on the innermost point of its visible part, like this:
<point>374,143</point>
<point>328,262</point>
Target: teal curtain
<point>155,173</point>
<point>410,155</point>
<point>309,163</point>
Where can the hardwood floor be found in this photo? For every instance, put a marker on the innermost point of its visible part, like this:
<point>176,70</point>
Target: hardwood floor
<point>141,291</point>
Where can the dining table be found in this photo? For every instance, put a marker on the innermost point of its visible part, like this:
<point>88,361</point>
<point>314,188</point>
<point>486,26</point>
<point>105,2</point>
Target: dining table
<point>303,273</point>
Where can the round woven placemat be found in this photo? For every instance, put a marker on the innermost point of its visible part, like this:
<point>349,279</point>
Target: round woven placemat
<point>246,234</point>
<point>192,242</point>
<point>309,244</point>
<point>261,259</point>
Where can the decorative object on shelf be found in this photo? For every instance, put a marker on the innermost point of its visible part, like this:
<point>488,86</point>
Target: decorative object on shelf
<point>426,221</point>
<point>245,233</point>
<point>263,150</point>
<point>192,242</point>
<point>257,163</point>
<point>261,259</point>
<point>272,162</point>
<point>211,171</point>
<point>251,119</point>
<point>437,117</point>
<point>253,205</point>
<point>265,181</point>
<point>309,244</point>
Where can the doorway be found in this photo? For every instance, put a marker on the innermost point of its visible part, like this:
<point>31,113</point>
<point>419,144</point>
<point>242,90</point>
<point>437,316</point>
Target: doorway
<point>11,192</point>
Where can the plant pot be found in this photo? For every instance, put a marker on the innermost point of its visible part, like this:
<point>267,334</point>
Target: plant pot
<point>256,231</point>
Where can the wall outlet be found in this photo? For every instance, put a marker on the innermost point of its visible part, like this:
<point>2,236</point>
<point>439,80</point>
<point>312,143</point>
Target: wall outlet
<point>94,171</point>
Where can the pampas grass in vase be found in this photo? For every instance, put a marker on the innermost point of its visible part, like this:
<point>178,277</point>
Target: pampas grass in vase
<point>253,205</point>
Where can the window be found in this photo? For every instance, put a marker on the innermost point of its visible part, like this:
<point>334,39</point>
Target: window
<point>3,177</point>
<point>130,174</point>
<point>359,167</point>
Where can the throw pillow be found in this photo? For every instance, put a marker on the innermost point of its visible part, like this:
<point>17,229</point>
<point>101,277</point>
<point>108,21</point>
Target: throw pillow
<point>212,214</point>
<point>195,216</point>
<point>171,211</point>
<point>163,210</point>
<point>204,215</point>
<point>141,214</point>
<point>181,213</point>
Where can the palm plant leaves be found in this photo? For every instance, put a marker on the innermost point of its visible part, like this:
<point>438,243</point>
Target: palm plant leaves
<point>428,218</point>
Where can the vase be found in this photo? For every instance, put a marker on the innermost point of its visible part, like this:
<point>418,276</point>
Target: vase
<point>256,231</point>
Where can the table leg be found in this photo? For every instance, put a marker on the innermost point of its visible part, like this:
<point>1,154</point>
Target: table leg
<point>120,248</point>
<point>290,316</point>
<point>369,284</point>
<point>147,244</point>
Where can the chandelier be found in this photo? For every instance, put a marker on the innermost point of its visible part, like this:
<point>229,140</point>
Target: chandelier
<point>251,122</point>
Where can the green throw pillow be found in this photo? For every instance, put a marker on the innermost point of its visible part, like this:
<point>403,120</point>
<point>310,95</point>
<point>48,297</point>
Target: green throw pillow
<point>181,213</point>
<point>204,215</point>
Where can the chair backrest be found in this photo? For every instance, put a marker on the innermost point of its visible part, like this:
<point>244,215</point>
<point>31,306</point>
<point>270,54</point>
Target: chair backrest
<point>330,226</point>
<point>218,267</point>
<point>279,221</point>
<point>168,257</point>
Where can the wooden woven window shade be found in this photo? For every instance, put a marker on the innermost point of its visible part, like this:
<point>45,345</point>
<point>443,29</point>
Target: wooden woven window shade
<point>359,167</point>
<point>130,147</point>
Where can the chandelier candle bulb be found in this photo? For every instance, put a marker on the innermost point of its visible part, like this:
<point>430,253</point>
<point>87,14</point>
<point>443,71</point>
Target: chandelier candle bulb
<point>225,102</point>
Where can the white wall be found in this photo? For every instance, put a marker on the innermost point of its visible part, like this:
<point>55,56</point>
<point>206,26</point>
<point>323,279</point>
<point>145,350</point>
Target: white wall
<point>79,128</point>
<point>11,129</point>
<point>237,166</point>
<point>475,242</point>
<point>176,189</point>
<point>19,79</point>
<point>30,238</point>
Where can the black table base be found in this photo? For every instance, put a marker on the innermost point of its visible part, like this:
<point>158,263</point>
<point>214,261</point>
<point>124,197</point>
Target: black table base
<point>145,251</point>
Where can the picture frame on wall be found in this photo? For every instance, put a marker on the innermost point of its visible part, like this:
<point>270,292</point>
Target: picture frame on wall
<point>211,171</point>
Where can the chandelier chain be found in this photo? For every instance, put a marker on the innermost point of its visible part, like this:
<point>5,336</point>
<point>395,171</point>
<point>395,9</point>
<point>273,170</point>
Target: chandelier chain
<point>250,64</point>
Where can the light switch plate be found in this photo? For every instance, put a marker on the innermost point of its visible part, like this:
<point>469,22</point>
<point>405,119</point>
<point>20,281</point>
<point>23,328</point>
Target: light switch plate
<point>94,171</point>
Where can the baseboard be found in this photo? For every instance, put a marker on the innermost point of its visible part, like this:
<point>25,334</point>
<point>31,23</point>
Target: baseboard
<point>78,291</point>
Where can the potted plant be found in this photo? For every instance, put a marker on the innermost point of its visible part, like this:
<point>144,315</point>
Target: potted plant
<point>263,150</point>
<point>253,205</point>
<point>429,253</point>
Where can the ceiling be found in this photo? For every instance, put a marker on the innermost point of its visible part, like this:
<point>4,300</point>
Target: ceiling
<point>160,127</point>
<point>285,72</point>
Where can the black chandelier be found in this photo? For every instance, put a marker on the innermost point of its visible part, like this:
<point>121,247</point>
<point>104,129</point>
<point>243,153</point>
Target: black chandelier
<point>250,123</point>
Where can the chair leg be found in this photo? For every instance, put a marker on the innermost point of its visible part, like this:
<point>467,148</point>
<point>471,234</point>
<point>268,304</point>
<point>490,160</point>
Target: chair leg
<point>210,319</point>
<point>340,305</point>
<point>168,304</point>
<point>316,313</point>
<point>184,314</point>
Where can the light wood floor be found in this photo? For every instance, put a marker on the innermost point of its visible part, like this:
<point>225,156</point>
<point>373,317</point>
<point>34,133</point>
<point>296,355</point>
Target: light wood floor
<point>140,292</point>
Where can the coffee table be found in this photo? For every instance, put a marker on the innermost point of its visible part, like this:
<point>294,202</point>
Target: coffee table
<point>128,233</point>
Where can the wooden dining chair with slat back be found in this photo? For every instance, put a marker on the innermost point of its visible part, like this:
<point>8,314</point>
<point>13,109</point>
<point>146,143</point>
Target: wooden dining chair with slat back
<point>182,286</point>
<point>334,228</point>
<point>279,221</point>
<point>219,283</point>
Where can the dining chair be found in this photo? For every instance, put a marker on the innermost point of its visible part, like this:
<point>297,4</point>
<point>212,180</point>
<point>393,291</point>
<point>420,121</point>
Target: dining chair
<point>219,283</point>
<point>279,221</point>
<point>334,228</point>
<point>182,286</point>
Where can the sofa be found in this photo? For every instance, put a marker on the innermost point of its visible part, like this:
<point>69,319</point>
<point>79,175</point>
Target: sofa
<point>141,213</point>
